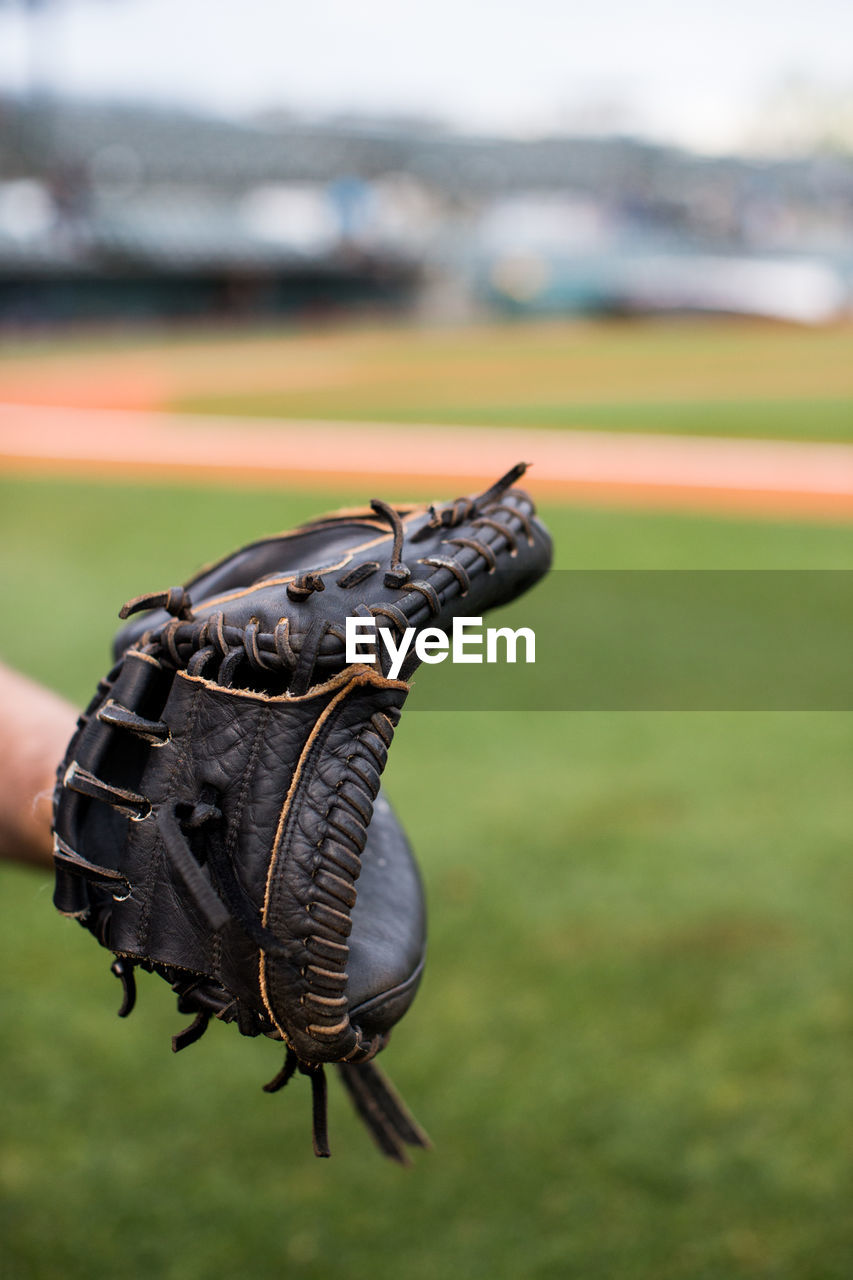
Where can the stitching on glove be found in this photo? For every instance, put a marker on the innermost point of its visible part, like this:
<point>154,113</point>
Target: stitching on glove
<point>358,791</point>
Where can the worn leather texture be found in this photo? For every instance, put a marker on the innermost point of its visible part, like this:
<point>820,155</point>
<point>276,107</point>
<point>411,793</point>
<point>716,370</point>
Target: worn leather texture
<point>218,815</point>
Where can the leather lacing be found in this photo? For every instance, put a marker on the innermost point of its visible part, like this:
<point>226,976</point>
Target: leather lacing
<point>390,1124</point>
<point>347,816</point>
<point>215,649</point>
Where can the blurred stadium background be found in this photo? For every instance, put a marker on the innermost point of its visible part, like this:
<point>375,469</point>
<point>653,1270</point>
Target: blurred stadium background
<point>632,1048</point>
<point>134,208</point>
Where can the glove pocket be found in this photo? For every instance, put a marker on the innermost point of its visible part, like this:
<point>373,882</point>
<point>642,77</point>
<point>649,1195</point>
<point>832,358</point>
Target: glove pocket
<point>250,853</point>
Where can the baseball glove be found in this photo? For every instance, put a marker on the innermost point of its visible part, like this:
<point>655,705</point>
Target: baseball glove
<point>220,799</point>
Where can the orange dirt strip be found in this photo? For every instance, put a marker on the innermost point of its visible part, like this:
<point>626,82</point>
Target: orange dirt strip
<point>754,476</point>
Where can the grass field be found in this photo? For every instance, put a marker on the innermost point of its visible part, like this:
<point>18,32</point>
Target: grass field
<point>738,379</point>
<point>632,1048</point>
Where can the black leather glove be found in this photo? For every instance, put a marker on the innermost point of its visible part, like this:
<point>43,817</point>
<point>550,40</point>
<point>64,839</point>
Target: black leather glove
<point>220,800</point>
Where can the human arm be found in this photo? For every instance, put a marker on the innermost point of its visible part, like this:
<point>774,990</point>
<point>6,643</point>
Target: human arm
<point>35,726</point>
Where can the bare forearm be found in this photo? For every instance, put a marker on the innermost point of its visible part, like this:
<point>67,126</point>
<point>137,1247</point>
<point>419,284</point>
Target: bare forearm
<point>35,726</point>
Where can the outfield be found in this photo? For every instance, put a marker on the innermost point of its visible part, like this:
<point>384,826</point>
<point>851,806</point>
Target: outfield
<point>704,378</point>
<point>632,1048</point>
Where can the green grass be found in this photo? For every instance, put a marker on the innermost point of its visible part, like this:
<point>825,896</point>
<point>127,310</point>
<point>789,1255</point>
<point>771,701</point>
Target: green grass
<point>632,1047</point>
<point>790,419</point>
<point>706,378</point>
<point>771,419</point>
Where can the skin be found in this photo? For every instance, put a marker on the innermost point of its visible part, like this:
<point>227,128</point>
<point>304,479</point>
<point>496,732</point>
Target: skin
<point>36,727</point>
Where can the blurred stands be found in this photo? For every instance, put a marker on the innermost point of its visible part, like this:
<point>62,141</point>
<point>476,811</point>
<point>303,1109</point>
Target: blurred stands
<point>144,212</point>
